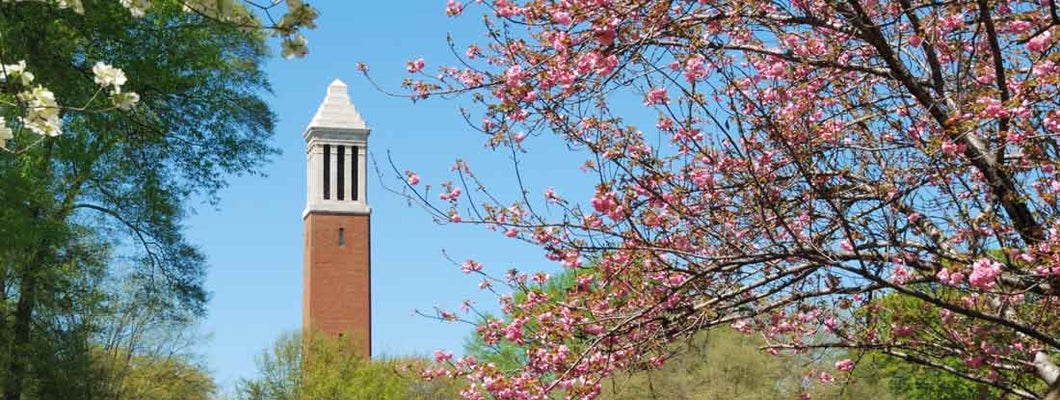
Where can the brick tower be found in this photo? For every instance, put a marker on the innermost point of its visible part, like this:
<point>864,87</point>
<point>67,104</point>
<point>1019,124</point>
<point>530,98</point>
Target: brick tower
<point>337,293</point>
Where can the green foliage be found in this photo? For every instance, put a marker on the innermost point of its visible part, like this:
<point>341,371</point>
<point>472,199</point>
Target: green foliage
<point>916,381</point>
<point>142,377</point>
<point>280,370</point>
<point>719,365</point>
<point>328,368</point>
<point>106,200</point>
<point>725,364</point>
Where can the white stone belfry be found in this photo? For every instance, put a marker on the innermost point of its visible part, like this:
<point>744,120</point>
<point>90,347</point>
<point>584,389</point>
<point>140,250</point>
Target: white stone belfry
<point>336,142</point>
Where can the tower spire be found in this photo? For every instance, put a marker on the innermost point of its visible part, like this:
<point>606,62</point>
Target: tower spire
<point>337,270</point>
<point>336,149</point>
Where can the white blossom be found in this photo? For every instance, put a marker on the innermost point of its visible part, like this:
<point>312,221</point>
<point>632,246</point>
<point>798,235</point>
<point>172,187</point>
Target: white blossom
<point>74,4</point>
<point>42,112</point>
<point>295,47</point>
<point>138,8</point>
<point>5,133</point>
<point>107,75</point>
<point>17,71</point>
<point>125,101</point>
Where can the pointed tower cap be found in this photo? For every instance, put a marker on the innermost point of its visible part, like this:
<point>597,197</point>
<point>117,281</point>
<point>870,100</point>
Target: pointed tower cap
<point>337,112</point>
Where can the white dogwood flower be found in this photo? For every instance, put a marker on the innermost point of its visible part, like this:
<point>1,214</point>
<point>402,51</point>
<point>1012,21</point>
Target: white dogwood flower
<point>138,8</point>
<point>42,111</point>
<point>5,133</point>
<point>125,101</point>
<point>16,71</point>
<point>107,75</point>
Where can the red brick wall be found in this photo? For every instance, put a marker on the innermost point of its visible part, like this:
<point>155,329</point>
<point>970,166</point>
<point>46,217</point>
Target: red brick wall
<point>337,295</point>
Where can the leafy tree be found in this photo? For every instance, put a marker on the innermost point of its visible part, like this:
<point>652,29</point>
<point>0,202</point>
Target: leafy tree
<point>279,369</point>
<point>792,161</point>
<point>99,182</point>
<point>725,364</point>
<point>143,377</point>
<point>323,367</point>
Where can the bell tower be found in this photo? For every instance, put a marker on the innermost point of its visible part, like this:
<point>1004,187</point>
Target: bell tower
<point>337,266</point>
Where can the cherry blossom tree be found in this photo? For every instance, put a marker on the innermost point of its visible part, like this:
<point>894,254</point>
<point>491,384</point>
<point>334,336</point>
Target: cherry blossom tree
<point>804,160</point>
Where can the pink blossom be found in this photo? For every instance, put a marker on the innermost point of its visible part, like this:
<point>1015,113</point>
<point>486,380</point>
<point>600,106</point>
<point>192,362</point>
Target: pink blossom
<point>448,316</point>
<point>1018,26</point>
<point>514,76</point>
<point>505,10</point>
<point>414,66</point>
<point>1039,43</point>
<point>454,8</point>
<point>992,107</point>
<point>470,266</point>
<point>902,330</point>
<point>472,51</point>
<point>683,135</point>
<point>943,275</point>
<point>1044,68</point>
<point>1052,122</point>
<point>540,277</point>
<point>593,329</point>
<point>695,68</point>
<point>514,331</point>
<point>511,232</point>
<point>949,147</point>
<point>984,273</point>
<point>656,96</point>
<point>946,315</point>
<point>974,362</point>
<point>603,202</point>
<point>825,377</point>
<point>414,179</point>
<point>561,17</point>
<point>845,365</point>
<point>455,218</point>
<point>606,203</point>
<point>914,217</point>
<point>550,195</point>
<point>442,356</point>
<point>900,275</point>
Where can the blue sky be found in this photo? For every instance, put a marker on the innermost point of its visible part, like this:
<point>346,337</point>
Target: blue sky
<point>253,239</point>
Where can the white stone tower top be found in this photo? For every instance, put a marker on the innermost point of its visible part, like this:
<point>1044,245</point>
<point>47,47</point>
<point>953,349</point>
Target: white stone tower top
<point>336,111</point>
<point>336,143</point>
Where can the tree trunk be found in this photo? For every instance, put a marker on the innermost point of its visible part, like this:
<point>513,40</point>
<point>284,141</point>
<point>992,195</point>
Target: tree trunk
<point>20,346</point>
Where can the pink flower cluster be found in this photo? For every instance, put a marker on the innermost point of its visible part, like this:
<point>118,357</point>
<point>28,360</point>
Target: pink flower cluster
<point>414,66</point>
<point>984,273</point>
<point>845,365</point>
<point>454,8</point>
<point>470,266</point>
<point>656,96</point>
<point>950,278</point>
